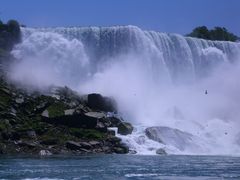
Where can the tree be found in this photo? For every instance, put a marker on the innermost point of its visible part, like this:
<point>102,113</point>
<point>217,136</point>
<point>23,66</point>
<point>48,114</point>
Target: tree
<point>218,33</point>
<point>10,34</point>
<point>200,32</point>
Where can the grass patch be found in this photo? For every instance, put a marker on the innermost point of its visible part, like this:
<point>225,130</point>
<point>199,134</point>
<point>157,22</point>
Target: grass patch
<point>56,134</point>
<point>56,110</point>
<point>5,98</point>
<point>87,133</point>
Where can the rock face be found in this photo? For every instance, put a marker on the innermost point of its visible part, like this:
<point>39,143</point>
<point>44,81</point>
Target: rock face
<point>170,136</point>
<point>61,122</point>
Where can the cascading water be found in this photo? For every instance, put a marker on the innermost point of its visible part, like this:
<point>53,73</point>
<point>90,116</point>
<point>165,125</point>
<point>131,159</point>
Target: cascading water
<point>158,79</point>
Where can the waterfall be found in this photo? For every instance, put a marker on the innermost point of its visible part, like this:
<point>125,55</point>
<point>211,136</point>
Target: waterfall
<point>158,79</point>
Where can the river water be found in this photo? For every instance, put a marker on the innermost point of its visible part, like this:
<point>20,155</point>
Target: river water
<point>120,167</point>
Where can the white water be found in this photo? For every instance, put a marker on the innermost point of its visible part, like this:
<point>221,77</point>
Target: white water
<point>157,79</point>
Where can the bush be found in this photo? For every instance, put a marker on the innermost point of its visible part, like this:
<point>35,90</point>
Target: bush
<point>218,33</point>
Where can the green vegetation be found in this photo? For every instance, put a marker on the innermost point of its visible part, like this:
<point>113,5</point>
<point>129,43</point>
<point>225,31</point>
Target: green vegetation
<point>218,33</point>
<point>56,109</point>
<point>5,98</point>
<point>87,133</point>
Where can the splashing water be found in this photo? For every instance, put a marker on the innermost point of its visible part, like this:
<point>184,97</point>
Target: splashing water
<point>157,79</point>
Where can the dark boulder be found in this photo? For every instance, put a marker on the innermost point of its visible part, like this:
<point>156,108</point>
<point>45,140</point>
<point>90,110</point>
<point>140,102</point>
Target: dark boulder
<point>114,121</point>
<point>121,149</point>
<point>161,152</point>
<point>80,146</point>
<point>114,140</point>
<point>98,102</point>
<point>125,128</point>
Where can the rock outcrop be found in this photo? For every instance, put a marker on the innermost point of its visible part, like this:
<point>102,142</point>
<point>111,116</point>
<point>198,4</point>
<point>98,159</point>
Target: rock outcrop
<point>173,137</point>
<point>58,122</point>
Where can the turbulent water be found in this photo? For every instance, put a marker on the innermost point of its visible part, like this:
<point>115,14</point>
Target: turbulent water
<point>121,167</point>
<point>158,79</point>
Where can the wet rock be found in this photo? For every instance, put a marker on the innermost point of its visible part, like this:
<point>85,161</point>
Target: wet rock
<point>98,102</point>
<point>45,153</point>
<point>85,150</point>
<point>125,128</point>
<point>85,145</point>
<point>114,139</point>
<point>153,133</point>
<point>73,145</point>
<point>161,152</point>
<point>114,121</point>
<point>123,149</point>
<point>98,115</point>
<point>31,134</point>
<point>173,137</point>
<point>132,152</point>
<point>106,149</point>
<point>94,143</point>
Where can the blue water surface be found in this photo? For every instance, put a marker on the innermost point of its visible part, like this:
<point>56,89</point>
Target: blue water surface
<point>121,167</point>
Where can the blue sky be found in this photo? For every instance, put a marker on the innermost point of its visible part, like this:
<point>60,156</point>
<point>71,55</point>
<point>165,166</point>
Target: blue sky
<point>179,16</point>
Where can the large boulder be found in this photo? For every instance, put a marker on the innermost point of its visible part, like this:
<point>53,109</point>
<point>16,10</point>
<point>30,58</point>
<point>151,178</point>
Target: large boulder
<point>125,128</point>
<point>121,149</point>
<point>161,151</point>
<point>173,137</point>
<point>98,102</point>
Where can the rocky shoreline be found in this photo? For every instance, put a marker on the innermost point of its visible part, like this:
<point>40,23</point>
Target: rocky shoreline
<point>58,122</point>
